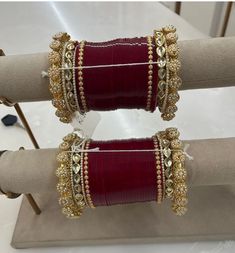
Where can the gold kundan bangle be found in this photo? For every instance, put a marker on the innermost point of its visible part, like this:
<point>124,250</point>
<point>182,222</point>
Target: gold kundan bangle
<point>68,173</point>
<point>169,66</point>
<point>179,200</point>
<point>166,152</point>
<point>161,62</point>
<point>67,76</point>
<point>56,75</point>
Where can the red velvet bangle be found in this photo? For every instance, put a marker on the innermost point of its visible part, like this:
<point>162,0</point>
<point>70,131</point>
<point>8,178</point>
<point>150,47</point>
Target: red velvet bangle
<point>122,177</point>
<point>111,88</point>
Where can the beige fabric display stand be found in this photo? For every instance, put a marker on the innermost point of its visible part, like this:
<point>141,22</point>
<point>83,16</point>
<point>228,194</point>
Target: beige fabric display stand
<point>211,178</point>
<point>205,64</point>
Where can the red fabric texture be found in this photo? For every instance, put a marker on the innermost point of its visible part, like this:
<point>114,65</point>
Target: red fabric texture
<point>123,87</point>
<point>122,177</point>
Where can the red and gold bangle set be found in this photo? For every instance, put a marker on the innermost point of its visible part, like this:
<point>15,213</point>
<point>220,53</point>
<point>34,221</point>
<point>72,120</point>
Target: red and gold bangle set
<point>69,96</point>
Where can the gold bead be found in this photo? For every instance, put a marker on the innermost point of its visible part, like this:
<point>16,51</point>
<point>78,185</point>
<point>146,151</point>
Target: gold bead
<point>178,156</point>
<point>54,57</point>
<point>175,82</point>
<point>173,50</point>
<point>70,137</point>
<point>181,189</point>
<point>172,133</point>
<point>171,37</point>
<point>174,65</point>
<point>176,144</point>
<point>62,157</point>
<point>169,29</point>
<point>61,36</point>
<point>65,145</point>
<point>55,45</point>
<point>54,73</point>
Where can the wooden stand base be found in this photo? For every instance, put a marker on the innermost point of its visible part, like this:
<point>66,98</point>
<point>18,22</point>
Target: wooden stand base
<point>210,217</point>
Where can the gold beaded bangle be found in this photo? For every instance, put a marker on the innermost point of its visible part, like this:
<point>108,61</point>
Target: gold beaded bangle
<point>55,76</point>
<point>80,77</point>
<point>150,73</point>
<point>179,200</point>
<point>86,176</point>
<point>82,173</point>
<point>174,66</point>
<point>158,170</point>
<point>167,80</point>
<point>64,173</point>
<point>162,165</point>
<point>76,175</point>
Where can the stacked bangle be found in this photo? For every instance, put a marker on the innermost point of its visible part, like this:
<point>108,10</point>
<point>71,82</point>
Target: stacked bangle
<point>79,171</point>
<point>67,74</point>
<point>175,172</point>
<point>169,66</point>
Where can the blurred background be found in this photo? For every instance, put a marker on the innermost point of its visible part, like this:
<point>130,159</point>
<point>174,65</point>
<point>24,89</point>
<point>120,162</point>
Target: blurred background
<point>212,18</point>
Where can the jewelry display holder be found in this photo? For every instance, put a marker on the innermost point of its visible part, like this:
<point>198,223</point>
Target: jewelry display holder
<point>5,101</point>
<point>205,64</point>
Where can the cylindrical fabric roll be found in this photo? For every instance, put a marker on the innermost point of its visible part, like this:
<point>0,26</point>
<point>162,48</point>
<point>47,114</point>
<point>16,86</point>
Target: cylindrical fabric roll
<point>204,65</point>
<point>111,88</point>
<point>33,171</point>
<point>122,177</point>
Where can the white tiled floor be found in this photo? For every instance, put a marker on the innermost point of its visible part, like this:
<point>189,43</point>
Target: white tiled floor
<point>27,28</point>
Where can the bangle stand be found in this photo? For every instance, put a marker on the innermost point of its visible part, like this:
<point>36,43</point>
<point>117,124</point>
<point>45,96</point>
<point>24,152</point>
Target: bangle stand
<point>211,173</point>
<point>21,115</point>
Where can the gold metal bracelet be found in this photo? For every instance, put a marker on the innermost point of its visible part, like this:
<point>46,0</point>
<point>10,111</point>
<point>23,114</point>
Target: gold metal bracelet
<point>55,76</point>
<point>70,207</point>
<point>179,200</point>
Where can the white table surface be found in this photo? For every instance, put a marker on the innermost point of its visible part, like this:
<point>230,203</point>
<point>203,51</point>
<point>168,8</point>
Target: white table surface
<point>27,28</point>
